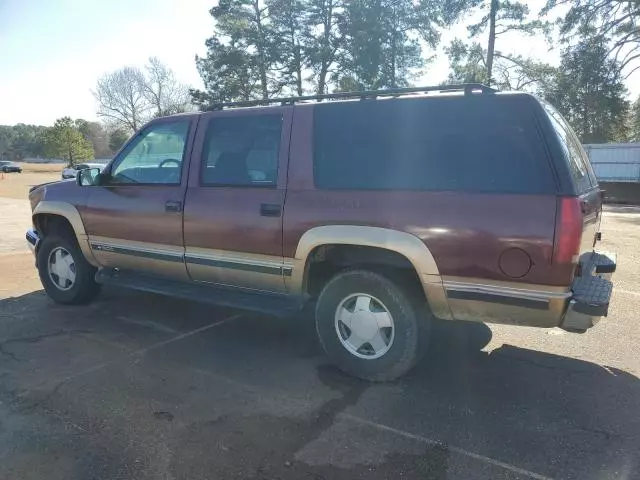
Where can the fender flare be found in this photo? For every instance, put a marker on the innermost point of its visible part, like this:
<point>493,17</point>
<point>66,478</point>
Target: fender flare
<point>403,243</point>
<point>71,214</point>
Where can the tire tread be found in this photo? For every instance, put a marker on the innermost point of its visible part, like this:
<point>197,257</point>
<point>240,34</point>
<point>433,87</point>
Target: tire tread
<point>402,295</point>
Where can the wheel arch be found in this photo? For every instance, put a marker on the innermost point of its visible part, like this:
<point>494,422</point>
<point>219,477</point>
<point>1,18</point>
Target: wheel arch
<point>405,244</point>
<point>68,213</point>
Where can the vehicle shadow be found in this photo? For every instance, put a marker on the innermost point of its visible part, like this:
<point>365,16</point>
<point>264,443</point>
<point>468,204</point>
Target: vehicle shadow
<point>558,416</point>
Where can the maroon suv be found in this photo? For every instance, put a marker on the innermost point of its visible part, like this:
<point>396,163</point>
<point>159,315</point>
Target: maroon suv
<point>384,208</point>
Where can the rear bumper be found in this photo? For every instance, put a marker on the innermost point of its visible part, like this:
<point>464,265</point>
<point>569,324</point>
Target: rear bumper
<point>591,292</point>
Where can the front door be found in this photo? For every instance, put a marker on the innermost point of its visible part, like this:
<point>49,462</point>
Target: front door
<point>235,199</point>
<point>134,219</point>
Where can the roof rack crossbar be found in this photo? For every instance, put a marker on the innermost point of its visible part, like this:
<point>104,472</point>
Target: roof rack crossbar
<point>467,88</point>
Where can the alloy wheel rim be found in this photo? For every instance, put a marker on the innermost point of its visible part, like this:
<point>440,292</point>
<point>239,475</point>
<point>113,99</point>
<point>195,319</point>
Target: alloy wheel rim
<point>61,268</point>
<point>364,326</point>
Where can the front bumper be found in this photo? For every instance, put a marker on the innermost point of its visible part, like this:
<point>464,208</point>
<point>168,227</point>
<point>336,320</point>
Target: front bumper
<point>591,292</point>
<point>33,240</point>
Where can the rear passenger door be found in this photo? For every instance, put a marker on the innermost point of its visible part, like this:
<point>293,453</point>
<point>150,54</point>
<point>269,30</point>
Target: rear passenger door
<point>235,199</point>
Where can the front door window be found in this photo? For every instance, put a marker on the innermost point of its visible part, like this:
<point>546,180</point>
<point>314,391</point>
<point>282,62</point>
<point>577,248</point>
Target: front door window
<point>154,157</point>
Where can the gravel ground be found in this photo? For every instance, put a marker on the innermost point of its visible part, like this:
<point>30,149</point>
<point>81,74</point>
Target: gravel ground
<point>16,185</point>
<point>138,386</point>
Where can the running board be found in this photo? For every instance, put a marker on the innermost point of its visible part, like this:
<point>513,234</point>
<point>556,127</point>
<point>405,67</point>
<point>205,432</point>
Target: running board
<point>273,304</point>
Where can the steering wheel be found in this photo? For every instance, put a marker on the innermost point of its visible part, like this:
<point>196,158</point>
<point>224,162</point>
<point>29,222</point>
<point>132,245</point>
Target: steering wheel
<point>169,160</point>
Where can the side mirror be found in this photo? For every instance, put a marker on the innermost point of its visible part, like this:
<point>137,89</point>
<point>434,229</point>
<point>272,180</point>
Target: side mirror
<point>88,177</point>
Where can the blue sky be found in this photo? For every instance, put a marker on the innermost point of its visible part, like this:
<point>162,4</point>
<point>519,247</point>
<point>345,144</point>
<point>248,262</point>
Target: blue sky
<point>53,51</point>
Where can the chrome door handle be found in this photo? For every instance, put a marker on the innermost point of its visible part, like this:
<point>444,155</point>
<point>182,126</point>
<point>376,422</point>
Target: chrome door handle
<point>172,206</point>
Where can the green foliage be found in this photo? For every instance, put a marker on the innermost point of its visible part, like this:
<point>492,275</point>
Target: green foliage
<point>95,133</point>
<point>241,57</point>
<point>510,17</point>
<point>324,41</point>
<point>245,23</point>
<point>261,49</point>
<point>614,22</point>
<point>291,31</point>
<point>634,124</point>
<point>466,62</point>
<point>117,138</point>
<point>21,141</point>
<point>64,140</point>
<point>381,47</point>
<point>588,90</point>
<point>500,17</point>
<point>510,72</point>
<point>228,74</point>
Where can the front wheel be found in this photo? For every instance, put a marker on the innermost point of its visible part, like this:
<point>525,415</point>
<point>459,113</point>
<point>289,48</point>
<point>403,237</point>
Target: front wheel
<point>65,274</point>
<point>371,327</point>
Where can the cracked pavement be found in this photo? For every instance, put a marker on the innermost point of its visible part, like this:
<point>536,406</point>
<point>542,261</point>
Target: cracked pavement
<point>138,386</point>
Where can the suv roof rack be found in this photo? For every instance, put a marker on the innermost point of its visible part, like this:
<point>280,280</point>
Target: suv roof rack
<point>467,88</point>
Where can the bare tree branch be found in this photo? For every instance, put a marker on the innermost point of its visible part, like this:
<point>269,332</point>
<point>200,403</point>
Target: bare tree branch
<point>162,91</point>
<point>120,98</point>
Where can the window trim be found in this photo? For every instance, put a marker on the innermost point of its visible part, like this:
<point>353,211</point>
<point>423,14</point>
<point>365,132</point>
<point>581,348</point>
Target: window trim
<point>133,142</point>
<point>203,163</point>
<point>572,141</point>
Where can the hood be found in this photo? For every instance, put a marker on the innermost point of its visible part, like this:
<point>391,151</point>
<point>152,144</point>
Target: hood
<point>35,187</point>
<point>66,191</point>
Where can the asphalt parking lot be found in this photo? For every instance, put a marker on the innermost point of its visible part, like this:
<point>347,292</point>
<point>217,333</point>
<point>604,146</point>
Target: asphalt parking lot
<point>139,386</point>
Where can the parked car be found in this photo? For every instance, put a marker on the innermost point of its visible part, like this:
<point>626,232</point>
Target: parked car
<point>8,167</point>
<point>449,202</point>
<point>72,171</point>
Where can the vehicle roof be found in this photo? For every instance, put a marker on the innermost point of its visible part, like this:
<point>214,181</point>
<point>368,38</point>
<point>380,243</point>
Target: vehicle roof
<point>442,91</point>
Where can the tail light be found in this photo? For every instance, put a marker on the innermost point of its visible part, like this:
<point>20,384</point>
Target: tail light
<point>566,248</point>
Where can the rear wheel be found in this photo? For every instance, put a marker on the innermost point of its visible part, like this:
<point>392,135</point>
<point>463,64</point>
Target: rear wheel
<point>65,274</point>
<point>371,327</point>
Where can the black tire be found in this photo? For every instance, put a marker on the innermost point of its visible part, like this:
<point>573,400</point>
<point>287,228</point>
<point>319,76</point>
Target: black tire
<point>411,320</point>
<point>84,288</point>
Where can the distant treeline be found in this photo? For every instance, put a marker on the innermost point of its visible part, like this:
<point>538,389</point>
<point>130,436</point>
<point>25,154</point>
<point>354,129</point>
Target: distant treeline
<point>21,141</point>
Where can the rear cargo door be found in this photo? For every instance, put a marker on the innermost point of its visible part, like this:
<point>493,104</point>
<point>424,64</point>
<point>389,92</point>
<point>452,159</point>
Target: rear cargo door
<point>582,176</point>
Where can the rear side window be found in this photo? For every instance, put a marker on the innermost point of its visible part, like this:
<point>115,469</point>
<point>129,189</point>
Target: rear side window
<point>242,150</point>
<point>579,165</point>
<point>478,144</point>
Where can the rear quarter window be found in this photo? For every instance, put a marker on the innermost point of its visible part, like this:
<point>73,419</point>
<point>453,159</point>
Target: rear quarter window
<point>582,174</point>
<point>475,144</point>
